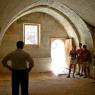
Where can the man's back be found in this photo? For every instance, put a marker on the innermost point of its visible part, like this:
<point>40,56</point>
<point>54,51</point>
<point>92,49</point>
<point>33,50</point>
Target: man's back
<point>19,59</point>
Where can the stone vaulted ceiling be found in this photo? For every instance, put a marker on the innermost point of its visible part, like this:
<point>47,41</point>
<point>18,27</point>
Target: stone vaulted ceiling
<point>84,8</point>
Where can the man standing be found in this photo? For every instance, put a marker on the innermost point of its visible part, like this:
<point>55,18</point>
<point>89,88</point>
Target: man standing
<point>86,60</point>
<point>21,64</point>
<point>79,60</point>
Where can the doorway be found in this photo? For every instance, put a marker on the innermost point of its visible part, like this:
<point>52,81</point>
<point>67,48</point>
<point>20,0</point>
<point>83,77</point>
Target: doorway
<point>59,61</point>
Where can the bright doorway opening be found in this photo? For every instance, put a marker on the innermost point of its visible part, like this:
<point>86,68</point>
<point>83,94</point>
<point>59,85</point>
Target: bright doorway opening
<point>58,57</point>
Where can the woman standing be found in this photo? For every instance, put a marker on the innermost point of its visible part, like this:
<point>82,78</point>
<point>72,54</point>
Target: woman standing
<point>73,59</point>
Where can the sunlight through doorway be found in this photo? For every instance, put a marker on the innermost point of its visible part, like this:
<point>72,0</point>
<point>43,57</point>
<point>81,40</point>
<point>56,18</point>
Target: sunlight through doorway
<point>58,56</point>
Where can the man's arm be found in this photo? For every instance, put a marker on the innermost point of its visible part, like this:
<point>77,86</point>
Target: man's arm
<point>31,63</point>
<point>5,62</point>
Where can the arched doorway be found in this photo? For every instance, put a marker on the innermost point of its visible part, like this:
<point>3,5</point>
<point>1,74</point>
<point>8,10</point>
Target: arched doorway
<point>58,57</point>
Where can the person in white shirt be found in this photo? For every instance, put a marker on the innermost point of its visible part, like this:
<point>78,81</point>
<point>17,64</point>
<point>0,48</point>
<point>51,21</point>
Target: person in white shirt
<point>21,64</point>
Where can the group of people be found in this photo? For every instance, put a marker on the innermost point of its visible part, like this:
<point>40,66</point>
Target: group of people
<point>80,57</point>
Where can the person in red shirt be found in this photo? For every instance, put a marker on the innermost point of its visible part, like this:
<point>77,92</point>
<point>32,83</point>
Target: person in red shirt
<point>86,60</point>
<point>79,57</point>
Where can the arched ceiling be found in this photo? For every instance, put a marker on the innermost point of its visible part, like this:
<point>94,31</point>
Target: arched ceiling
<point>15,10</point>
<point>84,8</point>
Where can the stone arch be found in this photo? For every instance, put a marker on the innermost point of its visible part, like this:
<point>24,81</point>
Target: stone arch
<point>73,24</point>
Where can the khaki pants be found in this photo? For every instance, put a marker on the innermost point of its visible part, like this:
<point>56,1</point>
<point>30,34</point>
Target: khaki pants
<point>86,68</point>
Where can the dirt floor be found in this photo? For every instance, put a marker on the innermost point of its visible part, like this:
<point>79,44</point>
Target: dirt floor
<point>48,84</point>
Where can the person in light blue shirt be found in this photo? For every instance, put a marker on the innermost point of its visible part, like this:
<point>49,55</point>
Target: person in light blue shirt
<point>73,59</point>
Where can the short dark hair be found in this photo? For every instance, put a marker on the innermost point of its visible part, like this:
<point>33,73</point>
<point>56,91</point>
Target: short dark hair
<point>20,44</point>
<point>80,44</point>
<point>84,46</point>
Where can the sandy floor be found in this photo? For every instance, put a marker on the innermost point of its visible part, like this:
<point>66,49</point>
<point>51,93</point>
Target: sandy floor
<point>48,84</point>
